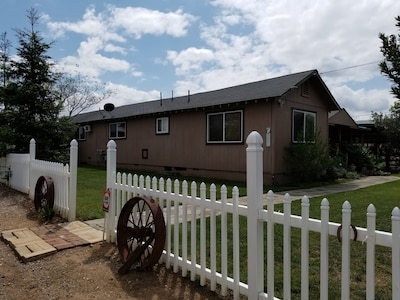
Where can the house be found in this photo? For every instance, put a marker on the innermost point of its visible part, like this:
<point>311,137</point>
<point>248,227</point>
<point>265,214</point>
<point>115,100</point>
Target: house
<point>204,134</point>
<point>342,129</point>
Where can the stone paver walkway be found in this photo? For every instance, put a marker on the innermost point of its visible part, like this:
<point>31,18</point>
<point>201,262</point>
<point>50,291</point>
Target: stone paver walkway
<point>36,242</point>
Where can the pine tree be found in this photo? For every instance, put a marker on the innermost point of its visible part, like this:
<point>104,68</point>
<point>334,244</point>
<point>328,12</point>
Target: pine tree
<point>31,106</point>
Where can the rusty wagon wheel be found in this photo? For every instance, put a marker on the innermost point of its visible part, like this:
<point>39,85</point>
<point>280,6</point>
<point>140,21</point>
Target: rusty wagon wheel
<point>140,234</point>
<point>44,193</point>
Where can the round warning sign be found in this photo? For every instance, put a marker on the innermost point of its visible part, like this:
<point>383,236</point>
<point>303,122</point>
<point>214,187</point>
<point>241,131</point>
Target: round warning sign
<point>106,200</point>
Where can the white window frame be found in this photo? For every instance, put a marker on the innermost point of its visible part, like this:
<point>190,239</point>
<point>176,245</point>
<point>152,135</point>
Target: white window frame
<point>305,129</point>
<point>164,125</point>
<point>224,140</point>
<point>81,133</point>
<point>117,135</point>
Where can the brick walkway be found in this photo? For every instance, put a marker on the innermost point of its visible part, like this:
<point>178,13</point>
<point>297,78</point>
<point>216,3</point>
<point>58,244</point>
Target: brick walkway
<point>58,236</point>
<point>36,242</point>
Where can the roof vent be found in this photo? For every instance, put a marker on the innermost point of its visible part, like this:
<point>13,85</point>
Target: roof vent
<point>109,107</point>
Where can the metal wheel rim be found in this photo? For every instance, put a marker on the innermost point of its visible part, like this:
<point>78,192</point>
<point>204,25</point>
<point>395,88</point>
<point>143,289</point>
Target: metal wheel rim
<point>141,229</point>
<point>44,193</point>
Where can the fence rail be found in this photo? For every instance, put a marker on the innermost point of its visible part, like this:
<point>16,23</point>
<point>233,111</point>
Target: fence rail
<point>196,222</point>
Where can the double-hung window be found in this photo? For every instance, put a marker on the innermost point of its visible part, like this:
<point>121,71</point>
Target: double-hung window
<point>117,130</point>
<point>225,127</point>
<point>162,125</point>
<point>304,126</point>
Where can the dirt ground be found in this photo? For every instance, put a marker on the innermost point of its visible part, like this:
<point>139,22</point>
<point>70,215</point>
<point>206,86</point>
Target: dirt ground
<point>88,272</point>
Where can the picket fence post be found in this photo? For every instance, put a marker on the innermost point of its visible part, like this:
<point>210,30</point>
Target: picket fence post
<point>32,157</point>
<point>255,238</point>
<point>396,253</point>
<point>111,173</point>
<point>73,170</point>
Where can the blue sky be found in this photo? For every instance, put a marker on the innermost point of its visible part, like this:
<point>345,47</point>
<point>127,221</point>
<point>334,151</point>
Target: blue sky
<point>140,49</point>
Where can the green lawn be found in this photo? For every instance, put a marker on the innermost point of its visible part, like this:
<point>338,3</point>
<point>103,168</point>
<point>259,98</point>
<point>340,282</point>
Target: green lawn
<point>91,184</point>
<point>89,195</point>
<point>384,197</point>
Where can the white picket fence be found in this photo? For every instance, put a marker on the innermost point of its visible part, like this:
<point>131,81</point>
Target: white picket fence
<point>18,165</point>
<point>180,250</point>
<point>25,170</point>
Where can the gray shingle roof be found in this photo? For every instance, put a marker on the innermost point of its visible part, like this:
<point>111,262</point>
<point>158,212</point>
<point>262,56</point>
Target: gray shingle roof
<point>269,88</point>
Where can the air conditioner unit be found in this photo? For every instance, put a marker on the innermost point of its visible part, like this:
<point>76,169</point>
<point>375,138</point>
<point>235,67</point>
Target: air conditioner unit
<point>88,128</point>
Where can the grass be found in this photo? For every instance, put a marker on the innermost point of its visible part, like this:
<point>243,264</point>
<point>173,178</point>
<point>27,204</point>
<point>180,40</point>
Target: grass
<point>91,184</point>
<point>89,194</point>
<point>385,198</point>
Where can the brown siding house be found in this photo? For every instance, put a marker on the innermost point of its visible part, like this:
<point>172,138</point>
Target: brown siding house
<point>204,134</point>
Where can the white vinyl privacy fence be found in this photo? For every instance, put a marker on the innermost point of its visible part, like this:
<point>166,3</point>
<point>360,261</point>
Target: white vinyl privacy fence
<point>198,234</point>
<point>22,171</point>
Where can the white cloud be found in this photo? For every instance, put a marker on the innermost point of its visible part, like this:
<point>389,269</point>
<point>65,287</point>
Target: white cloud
<point>123,95</point>
<point>114,48</point>
<point>102,31</point>
<point>282,37</point>
<point>90,63</point>
<point>190,59</point>
<point>90,25</point>
<point>361,102</point>
<point>137,21</point>
<point>240,41</point>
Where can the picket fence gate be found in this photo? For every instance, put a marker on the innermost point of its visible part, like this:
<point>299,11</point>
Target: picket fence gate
<point>23,171</point>
<point>182,211</point>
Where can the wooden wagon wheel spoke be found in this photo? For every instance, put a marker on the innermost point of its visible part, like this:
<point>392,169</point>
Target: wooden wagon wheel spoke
<point>140,234</point>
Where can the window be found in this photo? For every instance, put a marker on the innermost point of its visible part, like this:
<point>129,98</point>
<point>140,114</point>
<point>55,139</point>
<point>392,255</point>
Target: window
<point>303,126</point>
<point>162,125</point>
<point>81,133</point>
<point>117,130</point>
<point>225,127</point>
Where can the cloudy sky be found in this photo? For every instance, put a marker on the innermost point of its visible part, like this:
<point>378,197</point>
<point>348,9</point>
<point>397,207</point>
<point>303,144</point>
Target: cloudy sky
<point>142,48</point>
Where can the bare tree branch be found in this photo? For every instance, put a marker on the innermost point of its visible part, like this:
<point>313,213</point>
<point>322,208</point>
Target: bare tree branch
<point>78,93</point>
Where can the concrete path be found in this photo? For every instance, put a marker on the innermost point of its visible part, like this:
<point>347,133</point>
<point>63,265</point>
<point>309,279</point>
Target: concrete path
<point>329,189</point>
<point>298,194</point>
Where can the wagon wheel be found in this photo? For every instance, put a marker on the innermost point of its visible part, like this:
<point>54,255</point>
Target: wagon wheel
<point>44,193</point>
<point>140,234</point>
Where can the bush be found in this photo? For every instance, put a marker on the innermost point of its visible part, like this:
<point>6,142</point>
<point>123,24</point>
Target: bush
<point>362,157</point>
<point>307,161</point>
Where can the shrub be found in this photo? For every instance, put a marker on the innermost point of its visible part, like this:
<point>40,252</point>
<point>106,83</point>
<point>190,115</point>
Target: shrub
<point>307,161</point>
<point>362,157</point>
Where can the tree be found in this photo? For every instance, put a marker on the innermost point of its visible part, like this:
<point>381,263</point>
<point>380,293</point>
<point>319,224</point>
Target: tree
<point>388,126</point>
<point>5,46</point>
<point>390,66</point>
<point>31,104</point>
<point>78,93</point>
